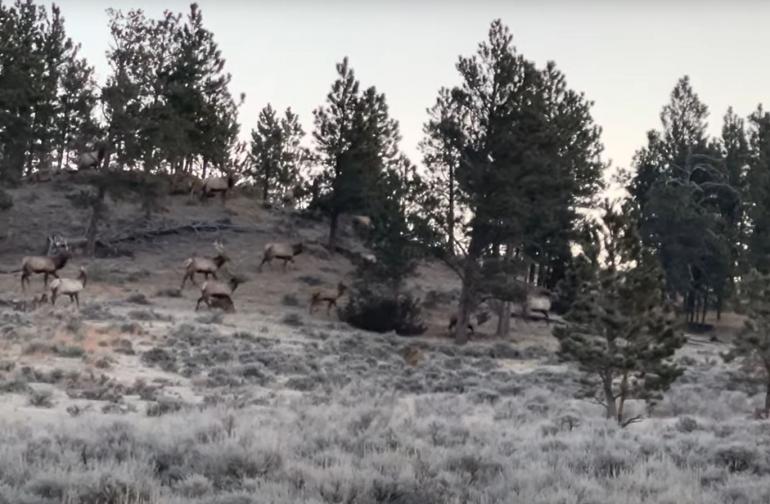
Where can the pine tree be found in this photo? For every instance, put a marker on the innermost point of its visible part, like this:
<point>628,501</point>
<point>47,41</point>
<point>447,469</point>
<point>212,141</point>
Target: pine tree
<point>528,156</point>
<point>752,345</point>
<point>441,150</point>
<point>167,101</point>
<point>686,203</point>
<point>21,84</point>
<point>75,124</point>
<point>758,191</point>
<point>277,155</point>
<point>617,330</point>
<point>356,140</point>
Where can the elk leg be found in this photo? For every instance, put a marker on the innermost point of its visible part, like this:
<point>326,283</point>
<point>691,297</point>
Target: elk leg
<point>77,300</point>
<point>24,277</point>
<point>214,275</point>
<point>45,280</point>
<point>198,304</point>
<point>264,260</point>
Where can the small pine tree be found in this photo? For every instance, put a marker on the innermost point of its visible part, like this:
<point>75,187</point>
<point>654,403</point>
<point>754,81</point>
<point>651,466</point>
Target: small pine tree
<point>752,345</point>
<point>618,330</point>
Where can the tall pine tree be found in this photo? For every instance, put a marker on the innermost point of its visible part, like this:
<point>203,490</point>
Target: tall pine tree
<point>356,139</point>
<point>528,154</point>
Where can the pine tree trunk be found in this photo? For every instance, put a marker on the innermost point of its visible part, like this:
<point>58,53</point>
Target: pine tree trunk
<point>504,311</point>
<point>504,320</point>
<point>704,308</point>
<point>451,212</point>
<point>767,399</point>
<point>333,231</point>
<point>93,226</point>
<point>466,305</point>
<point>609,397</point>
<point>468,292</point>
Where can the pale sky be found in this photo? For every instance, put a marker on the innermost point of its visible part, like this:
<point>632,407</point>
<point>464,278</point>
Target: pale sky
<point>626,56</point>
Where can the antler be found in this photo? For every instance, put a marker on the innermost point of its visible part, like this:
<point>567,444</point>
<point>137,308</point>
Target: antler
<point>219,246</point>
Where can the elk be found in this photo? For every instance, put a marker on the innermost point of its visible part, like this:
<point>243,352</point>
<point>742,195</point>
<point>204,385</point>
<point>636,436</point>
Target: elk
<point>183,183</point>
<point>213,185</point>
<point>69,287</point>
<point>92,159</point>
<point>330,296</point>
<point>218,294</point>
<point>288,199</point>
<point>47,265</point>
<point>480,319</point>
<point>283,251</point>
<point>362,223</point>
<point>540,302</point>
<point>206,266</point>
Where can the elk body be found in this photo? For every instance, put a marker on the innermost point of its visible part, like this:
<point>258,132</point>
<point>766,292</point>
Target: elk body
<point>69,287</point>
<point>540,303</point>
<point>362,223</point>
<point>218,294</point>
<point>91,159</point>
<point>213,185</point>
<point>45,265</point>
<point>282,251</point>
<point>329,296</point>
<point>205,265</point>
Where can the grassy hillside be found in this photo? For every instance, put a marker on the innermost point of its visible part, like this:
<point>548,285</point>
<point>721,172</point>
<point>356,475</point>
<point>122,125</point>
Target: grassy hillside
<point>136,398</point>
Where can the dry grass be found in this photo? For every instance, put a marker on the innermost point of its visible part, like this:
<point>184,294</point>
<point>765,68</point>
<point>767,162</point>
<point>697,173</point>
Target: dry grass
<point>124,403</point>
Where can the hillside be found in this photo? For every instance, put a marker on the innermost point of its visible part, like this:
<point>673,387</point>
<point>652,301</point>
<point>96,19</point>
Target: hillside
<point>136,398</point>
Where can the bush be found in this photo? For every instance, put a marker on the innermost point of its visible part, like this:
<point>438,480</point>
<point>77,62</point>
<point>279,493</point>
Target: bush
<point>41,398</point>
<point>292,319</point>
<point>374,312</point>
<point>6,202</point>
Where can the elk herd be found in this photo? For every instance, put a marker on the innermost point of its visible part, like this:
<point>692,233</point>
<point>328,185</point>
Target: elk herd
<point>213,292</point>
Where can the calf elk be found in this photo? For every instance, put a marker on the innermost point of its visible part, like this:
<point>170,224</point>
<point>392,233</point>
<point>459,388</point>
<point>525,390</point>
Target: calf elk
<point>330,296</point>
<point>69,287</point>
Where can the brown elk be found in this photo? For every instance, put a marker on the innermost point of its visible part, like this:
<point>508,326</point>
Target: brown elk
<point>205,265</point>
<point>282,251</point>
<point>329,296</point>
<point>47,265</point>
<point>218,294</point>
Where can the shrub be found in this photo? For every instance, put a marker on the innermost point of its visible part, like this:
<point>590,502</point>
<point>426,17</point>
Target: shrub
<point>374,312</point>
<point>169,293</point>
<point>41,398</point>
<point>290,300</point>
<point>71,351</point>
<point>292,319</point>
<point>138,298</point>
<point>310,280</point>
<point>6,201</point>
